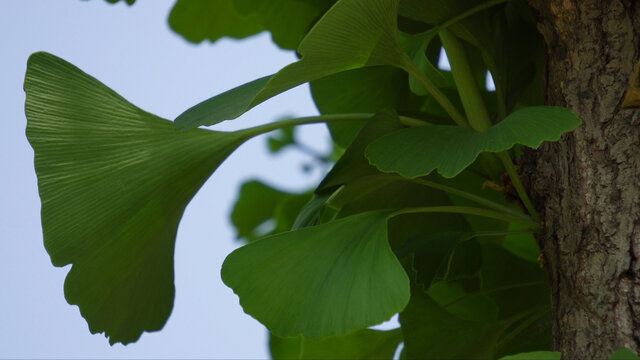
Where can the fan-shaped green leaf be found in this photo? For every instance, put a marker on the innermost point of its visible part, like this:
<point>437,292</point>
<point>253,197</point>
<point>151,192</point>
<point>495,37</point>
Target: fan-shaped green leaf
<point>114,181</point>
<point>320,281</point>
<point>352,34</point>
<point>197,20</point>
<point>361,345</point>
<point>417,151</point>
<point>287,20</point>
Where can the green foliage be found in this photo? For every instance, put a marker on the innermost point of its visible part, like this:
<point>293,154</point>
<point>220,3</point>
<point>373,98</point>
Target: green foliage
<point>451,251</point>
<point>415,152</point>
<point>363,344</point>
<point>295,282</point>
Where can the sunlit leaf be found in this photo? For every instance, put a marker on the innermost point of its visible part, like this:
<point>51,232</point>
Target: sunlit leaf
<point>320,281</point>
<point>352,34</point>
<point>363,344</point>
<point>417,151</point>
<point>114,181</point>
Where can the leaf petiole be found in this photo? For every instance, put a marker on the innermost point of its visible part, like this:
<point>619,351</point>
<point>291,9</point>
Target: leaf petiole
<point>468,210</point>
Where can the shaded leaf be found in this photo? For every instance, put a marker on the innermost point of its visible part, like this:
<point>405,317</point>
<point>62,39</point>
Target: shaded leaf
<point>287,20</point>
<point>535,355</point>
<point>456,300</point>
<point>320,281</point>
<point>352,34</point>
<point>259,203</point>
<point>417,151</point>
<point>430,332</point>
<point>197,20</point>
<point>352,164</point>
<point>364,90</point>
<point>443,256</point>
<point>518,286</point>
<point>624,354</point>
<point>363,344</point>
<point>114,181</point>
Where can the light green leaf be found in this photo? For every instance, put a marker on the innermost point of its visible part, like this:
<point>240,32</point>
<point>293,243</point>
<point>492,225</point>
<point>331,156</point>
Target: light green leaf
<point>320,281</point>
<point>535,355</point>
<point>363,344</point>
<point>624,354</point>
<point>417,151</point>
<point>352,34</point>
<point>197,20</point>
<point>114,181</point>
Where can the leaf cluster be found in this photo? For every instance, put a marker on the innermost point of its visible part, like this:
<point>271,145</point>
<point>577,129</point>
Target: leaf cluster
<point>422,214</point>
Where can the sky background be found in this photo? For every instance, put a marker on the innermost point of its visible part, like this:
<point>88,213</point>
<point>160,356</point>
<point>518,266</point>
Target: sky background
<point>133,51</point>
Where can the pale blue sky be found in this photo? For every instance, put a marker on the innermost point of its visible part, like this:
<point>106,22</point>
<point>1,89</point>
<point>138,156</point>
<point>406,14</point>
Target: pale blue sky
<point>132,50</point>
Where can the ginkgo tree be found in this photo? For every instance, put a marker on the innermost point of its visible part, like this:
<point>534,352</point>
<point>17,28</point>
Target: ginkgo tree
<point>423,214</point>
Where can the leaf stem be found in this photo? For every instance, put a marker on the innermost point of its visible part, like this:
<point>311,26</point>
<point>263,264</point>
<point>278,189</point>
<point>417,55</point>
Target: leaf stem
<point>438,95</point>
<point>475,198</point>
<point>537,314</point>
<point>490,291</point>
<point>475,108</point>
<point>466,83</point>
<point>470,12</point>
<point>468,210</point>
<point>517,184</point>
<point>262,129</point>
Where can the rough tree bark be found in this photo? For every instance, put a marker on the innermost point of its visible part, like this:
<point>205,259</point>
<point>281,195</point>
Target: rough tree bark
<point>587,186</point>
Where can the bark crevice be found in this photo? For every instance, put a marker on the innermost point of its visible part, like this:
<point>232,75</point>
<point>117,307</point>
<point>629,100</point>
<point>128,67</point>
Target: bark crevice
<point>587,186</point>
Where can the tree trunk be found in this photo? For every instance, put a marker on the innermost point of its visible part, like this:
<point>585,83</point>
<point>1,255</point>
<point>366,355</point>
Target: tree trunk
<point>587,186</point>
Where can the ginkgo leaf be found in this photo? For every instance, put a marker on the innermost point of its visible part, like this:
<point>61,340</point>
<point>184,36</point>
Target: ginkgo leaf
<point>352,34</point>
<point>197,20</point>
<point>415,152</point>
<point>114,181</point>
<point>320,281</point>
<point>361,345</point>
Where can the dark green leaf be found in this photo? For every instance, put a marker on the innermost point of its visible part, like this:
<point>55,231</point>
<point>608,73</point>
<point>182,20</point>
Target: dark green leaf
<point>536,355</point>
<point>444,256</point>
<point>417,151</point>
<point>114,181</point>
<point>519,286</point>
<point>365,90</point>
<point>352,34</point>
<point>431,332</point>
<point>624,354</point>
<point>287,20</point>
<point>259,203</point>
<point>320,281</point>
<point>197,20</point>
<point>363,344</point>
<point>352,164</point>
<point>129,2</point>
